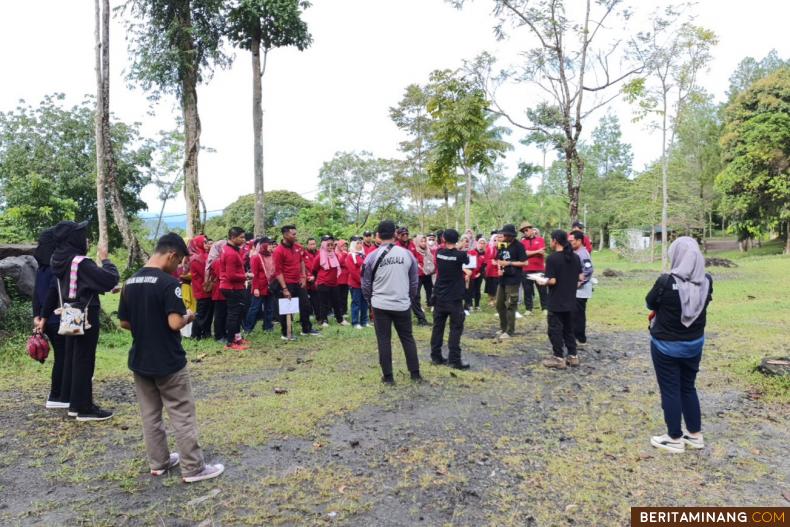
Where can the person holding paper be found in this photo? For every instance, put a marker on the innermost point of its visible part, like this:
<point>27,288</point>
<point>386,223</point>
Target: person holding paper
<point>492,269</point>
<point>389,284</point>
<point>449,291</point>
<point>290,276</point>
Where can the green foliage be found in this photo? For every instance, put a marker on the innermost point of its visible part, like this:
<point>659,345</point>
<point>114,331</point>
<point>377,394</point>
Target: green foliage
<point>755,148</point>
<point>359,184</point>
<point>172,40</point>
<point>750,70</point>
<point>48,167</point>
<point>273,23</point>
<point>282,207</point>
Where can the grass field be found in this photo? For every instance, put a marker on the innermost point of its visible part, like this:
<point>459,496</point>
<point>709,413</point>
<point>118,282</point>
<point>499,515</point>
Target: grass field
<point>506,443</point>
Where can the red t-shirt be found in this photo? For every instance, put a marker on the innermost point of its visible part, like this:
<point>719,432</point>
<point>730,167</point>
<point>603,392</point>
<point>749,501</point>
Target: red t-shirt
<point>343,278</point>
<point>288,262</point>
<point>369,248</point>
<point>492,270</point>
<point>354,270</point>
<point>216,294</point>
<point>587,244</point>
<point>326,277</point>
<point>534,263</point>
<point>259,279</point>
<point>231,268</point>
<point>197,268</point>
<point>308,265</point>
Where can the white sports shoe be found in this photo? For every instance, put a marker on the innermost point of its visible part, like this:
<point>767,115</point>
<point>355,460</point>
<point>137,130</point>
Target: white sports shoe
<point>175,459</point>
<point>209,472</point>
<point>345,323</point>
<point>664,442</point>
<point>357,326</point>
<point>56,404</point>
<point>694,442</point>
<point>519,315</point>
<point>467,312</point>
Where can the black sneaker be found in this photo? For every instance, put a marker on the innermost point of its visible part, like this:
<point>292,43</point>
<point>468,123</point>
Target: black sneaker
<point>423,323</point>
<point>441,361</point>
<point>312,332</point>
<point>459,365</point>
<point>94,414</point>
<point>388,379</point>
<point>416,377</point>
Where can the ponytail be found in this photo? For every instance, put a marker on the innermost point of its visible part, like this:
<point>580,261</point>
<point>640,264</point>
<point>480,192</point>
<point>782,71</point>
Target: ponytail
<point>561,238</point>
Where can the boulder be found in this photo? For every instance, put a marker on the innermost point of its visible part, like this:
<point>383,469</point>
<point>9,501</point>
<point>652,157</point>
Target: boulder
<point>778,366</point>
<point>22,271</point>
<point>9,250</point>
<point>5,301</point>
<point>611,273</point>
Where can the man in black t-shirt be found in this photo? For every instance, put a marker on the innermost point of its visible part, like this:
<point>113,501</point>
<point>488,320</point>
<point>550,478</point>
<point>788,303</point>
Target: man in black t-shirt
<point>511,258</point>
<point>151,308</point>
<point>448,294</point>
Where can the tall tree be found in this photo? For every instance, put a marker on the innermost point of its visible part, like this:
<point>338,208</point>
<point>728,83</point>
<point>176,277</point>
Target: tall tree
<point>174,45</point>
<point>48,166</point>
<point>261,26</point>
<point>750,70</point>
<point>411,116</point>
<point>464,134</point>
<point>570,64</point>
<point>674,52</point>
<point>167,173</point>
<point>106,168</point>
<point>756,151</point>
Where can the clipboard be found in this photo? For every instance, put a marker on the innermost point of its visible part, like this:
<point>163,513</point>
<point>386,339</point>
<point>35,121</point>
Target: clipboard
<point>289,306</point>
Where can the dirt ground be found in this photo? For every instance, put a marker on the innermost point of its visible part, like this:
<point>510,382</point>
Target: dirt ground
<point>507,443</point>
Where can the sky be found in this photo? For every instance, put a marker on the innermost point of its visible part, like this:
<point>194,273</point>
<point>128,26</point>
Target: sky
<point>336,95</point>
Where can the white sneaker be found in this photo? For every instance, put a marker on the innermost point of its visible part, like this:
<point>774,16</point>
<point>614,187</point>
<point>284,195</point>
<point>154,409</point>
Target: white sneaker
<point>504,336</point>
<point>209,472</point>
<point>694,442</point>
<point>519,315</point>
<point>345,323</point>
<point>467,312</point>
<point>325,325</point>
<point>56,404</point>
<point>175,459</point>
<point>665,442</point>
<point>357,326</point>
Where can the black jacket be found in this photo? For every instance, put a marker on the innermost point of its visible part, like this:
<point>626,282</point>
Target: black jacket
<point>664,299</point>
<point>92,281</point>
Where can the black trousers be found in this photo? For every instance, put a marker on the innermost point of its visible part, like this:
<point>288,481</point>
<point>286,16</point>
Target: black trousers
<point>315,303</point>
<point>676,378</point>
<point>580,320</point>
<point>59,350</point>
<point>561,332</point>
<point>220,318</point>
<point>79,365</point>
<point>416,308</point>
<point>343,298</point>
<point>475,286</point>
<point>235,301</point>
<point>441,312</point>
<point>426,282</point>
<point>304,309</point>
<point>529,293</point>
<point>201,327</point>
<point>331,298</point>
<point>383,322</point>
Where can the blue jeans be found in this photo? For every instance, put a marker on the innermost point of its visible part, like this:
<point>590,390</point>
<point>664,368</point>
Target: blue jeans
<point>265,304</point>
<point>359,308</point>
<point>678,394</point>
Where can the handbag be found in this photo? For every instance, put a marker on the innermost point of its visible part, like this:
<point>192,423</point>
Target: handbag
<point>73,320</point>
<point>38,346</point>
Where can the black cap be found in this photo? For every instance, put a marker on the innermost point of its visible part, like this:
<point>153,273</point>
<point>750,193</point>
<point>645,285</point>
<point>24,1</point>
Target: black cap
<point>327,237</point>
<point>355,238</point>
<point>386,229</point>
<point>451,236</point>
<point>402,230</point>
<point>367,233</point>
<point>264,239</point>
<point>509,230</point>
<point>578,224</point>
<point>63,229</point>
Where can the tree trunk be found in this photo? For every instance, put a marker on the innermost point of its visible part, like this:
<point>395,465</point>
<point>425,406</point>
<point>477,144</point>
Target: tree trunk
<point>446,207</point>
<point>189,76</point>
<point>137,255</point>
<point>573,190</point>
<point>101,166</point>
<point>664,189</point>
<point>601,241</point>
<point>257,130</point>
<point>468,200</point>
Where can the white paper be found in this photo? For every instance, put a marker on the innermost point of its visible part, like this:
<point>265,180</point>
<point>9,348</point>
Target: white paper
<point>289,306</point>
<point>539,278</point>
<point>472,262</point>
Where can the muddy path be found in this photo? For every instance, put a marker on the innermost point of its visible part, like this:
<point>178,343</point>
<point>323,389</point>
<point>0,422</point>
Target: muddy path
<point>507,443</point>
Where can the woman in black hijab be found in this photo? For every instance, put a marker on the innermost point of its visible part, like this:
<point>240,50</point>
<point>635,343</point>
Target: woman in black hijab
<point>45,283</point>
<point>92,280</point>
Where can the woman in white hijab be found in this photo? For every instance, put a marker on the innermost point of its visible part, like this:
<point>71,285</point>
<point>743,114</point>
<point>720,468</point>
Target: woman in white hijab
<point>678,303</point>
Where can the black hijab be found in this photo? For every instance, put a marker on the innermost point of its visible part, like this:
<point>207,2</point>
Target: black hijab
<point>46,246</point>
<point>71,240</point>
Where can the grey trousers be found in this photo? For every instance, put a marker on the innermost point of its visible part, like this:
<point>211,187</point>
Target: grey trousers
<point>174,392</point>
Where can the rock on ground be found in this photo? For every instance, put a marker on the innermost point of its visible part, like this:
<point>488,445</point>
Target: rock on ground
<point>22,270</point>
